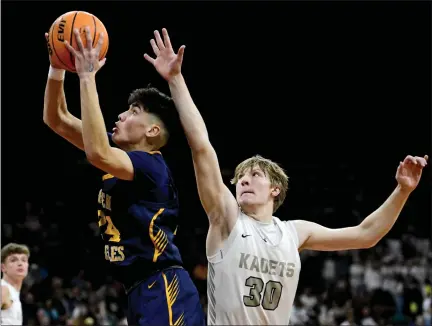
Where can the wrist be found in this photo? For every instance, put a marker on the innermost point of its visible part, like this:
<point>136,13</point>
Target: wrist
<point>176,79</point>
<point>403,190</point>
<point>56,74</point>
<point>86,76</point>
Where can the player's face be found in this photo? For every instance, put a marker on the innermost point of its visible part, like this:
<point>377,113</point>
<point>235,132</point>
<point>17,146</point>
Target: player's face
<point>132,126</point>
<point>16,266</point>
<point>254,188</point>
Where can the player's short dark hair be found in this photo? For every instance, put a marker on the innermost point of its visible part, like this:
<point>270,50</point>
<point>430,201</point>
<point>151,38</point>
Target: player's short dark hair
<point>155,102</point>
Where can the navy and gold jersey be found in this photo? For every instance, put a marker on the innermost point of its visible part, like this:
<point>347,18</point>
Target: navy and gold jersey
<point>138,219</point>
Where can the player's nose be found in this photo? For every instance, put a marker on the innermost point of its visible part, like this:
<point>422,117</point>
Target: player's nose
<point>122,116</point>
<point>244,181</point>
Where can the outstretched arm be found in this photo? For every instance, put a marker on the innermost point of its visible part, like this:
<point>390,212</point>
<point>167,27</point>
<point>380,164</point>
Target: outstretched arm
<point>217,200</point>
<point>96,145</point>
<point>55,113</point>
<point>374,227</point>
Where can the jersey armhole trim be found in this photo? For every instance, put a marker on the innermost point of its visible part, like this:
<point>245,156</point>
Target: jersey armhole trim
<point>223,251</point>
<point>291,225</point>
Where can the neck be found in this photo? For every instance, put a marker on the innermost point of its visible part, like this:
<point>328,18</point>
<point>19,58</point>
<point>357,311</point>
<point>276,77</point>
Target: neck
<point>260,213</point>
<point>138,147</point>
<point>14,282</point>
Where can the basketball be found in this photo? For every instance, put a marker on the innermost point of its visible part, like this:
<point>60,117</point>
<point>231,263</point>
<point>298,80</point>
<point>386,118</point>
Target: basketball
<point>62,29</point>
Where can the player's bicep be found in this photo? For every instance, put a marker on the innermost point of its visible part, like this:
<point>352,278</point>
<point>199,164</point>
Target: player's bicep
<point>217,200</point>
<point>115,162</point>
<point>313,236</point>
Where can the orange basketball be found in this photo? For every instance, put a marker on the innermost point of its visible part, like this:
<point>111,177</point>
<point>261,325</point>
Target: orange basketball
<point>62,29</point>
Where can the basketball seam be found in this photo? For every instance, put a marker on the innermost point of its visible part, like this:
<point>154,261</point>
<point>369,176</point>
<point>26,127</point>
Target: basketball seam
<point>53,46</point>
<point>71,36</point>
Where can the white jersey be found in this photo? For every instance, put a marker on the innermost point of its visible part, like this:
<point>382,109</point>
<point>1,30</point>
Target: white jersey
<point>13,315</point>
<point>253,279</point>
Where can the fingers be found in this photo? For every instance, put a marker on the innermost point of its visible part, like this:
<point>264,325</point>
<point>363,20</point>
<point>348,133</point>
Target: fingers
<point>154,47</point>
<point>88,38</point>
<point>46,37</point>
<point>99,43</point>
<point>149,58</point>
<point>159,41</point>
<point>416,161</point>
<point>180,54</point>
<point>102,63</point>
<point>71,49</point>
<point>78,40</point>
<point>166,38</point>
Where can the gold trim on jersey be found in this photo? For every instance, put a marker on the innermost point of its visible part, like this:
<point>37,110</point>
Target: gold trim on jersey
<point>160,240</point>
<point>171,291</point>
<point>107,176</point>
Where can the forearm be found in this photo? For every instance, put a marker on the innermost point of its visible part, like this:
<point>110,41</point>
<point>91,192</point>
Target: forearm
<point>190,118</point>
<point>94,130</point>
<point>378,224</point>
<point>55,108</point>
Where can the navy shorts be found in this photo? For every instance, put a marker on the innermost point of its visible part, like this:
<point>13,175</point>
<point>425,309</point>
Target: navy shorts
<point>168,297</point>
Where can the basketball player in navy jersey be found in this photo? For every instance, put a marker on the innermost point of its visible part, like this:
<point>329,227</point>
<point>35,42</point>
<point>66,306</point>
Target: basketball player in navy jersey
<point>138,202</point>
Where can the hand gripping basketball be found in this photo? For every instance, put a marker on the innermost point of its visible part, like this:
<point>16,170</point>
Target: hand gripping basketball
<point>86,58</point>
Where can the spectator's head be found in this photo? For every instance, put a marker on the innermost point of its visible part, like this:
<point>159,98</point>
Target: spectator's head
<point>14,262</point>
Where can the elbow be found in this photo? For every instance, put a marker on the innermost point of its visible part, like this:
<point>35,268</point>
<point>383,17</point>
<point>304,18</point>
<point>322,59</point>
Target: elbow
<point>366,238</point>
<point>369,244</point>
<point>54,122</point>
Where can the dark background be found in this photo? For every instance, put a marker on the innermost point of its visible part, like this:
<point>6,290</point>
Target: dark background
<point>336,92</point>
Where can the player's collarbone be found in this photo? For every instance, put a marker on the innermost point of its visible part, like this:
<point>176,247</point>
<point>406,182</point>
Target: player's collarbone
<point>266,266</point>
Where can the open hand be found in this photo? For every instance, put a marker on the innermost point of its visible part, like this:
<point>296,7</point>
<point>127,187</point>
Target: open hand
<point>409,172</point>
<point>167,63</point>
<point>86,58</point>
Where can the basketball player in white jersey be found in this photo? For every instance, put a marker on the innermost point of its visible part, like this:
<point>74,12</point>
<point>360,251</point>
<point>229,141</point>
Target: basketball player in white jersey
<point>14,266</point>
<point>253,256</point>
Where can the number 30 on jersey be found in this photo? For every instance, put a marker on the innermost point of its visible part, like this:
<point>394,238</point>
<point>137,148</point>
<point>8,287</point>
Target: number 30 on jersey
<point>269,299</point>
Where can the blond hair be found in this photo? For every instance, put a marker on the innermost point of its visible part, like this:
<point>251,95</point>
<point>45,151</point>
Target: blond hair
<point>13,248</point>
<point>273,171</point>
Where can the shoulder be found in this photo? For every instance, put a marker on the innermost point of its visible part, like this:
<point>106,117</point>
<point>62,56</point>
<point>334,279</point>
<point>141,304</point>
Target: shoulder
<point>148,163</point>
<point>299,229</point>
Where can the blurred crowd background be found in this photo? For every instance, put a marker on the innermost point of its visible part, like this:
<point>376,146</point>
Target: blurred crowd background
<point>336,92</point>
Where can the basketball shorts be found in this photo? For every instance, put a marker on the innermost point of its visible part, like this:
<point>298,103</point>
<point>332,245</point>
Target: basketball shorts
<point>168,297</point>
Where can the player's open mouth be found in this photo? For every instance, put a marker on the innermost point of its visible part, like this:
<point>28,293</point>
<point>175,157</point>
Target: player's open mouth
<point>114,129</point>
<point>247,192</point>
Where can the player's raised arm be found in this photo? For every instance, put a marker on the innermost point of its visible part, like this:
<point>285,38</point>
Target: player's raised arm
<point>55,113</point>
<point>96,144</point>
<point>374,227</point>
<point>218,202</point>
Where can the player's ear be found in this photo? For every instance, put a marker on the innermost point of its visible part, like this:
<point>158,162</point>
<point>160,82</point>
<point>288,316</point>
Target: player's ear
<point>3,268</point>
<point>153,130</point>
<point>275,191</point>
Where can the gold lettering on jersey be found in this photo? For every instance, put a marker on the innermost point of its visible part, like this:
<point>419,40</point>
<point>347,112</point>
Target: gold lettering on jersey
<point>114,253</point>
<point>104,200</point>
<point>266,266</point>
<point>160,239</point>
<point>110,228</point>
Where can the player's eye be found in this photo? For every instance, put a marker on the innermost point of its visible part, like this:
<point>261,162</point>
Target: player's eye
<point>256,174</point>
